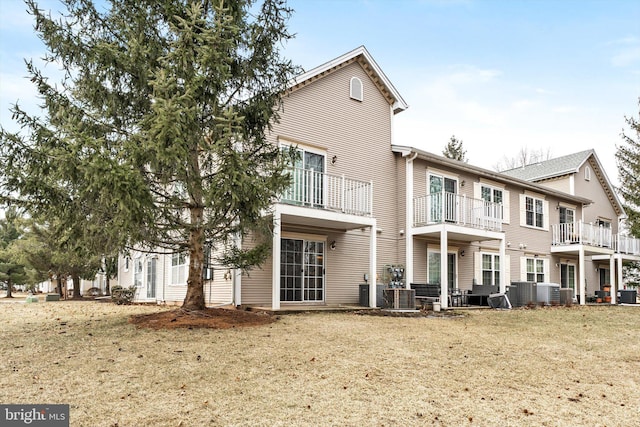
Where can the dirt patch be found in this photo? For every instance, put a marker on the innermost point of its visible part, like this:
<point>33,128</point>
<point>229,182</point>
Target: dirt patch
<point>411,313</point>
<point>214,318</point>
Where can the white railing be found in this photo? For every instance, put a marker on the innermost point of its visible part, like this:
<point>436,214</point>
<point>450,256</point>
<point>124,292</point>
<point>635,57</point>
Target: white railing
<point>323,191</point>
<point>581,233</point>
<point>456,209</point>
<point>626,244</point>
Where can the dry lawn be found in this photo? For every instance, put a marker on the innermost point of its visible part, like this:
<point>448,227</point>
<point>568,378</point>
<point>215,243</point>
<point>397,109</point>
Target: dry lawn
<point>575,366</point>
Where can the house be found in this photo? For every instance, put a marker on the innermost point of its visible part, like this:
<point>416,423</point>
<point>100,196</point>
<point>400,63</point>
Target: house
<point>362,204</point>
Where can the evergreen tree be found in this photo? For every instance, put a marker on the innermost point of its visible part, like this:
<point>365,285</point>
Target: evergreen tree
<point>628,161</point>
<point>454,150</point>
<point>157,134</point>
<point>12,270</point>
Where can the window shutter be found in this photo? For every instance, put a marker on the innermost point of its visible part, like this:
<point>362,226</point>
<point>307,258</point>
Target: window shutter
<point>506,207</point>
<point>477,267</point>
<point>545,214</point>
<point>545,264</point>
<point>523,269</point>
<point>507,269</point>
<point>477,190</point>
<point>523,207</point>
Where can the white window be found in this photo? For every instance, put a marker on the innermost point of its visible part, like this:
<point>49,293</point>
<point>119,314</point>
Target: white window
<point>137,272</point>
<point>587,173</point>
<point>356,89</point>
<point>178,269</point>
<point>534,212</point>
<point>535,269</point>
<point>490,269</point>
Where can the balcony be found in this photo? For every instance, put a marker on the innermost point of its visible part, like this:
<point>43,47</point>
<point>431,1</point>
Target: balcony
<point>626,245</point>
<point>330,192</point>
<point>451,208</point>
<point>581,233</point>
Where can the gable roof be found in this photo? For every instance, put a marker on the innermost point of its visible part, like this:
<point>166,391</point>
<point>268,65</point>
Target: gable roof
<point>370,66</point>
<point>488,174</point>
<point>568,165</point>
<point>551,168</point>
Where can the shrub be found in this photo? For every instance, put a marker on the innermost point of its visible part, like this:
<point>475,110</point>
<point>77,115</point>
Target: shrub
<point>121,295</point>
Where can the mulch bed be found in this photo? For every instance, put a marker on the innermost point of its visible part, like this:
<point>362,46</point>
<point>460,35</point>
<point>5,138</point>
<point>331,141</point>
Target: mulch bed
<point>214,318</point>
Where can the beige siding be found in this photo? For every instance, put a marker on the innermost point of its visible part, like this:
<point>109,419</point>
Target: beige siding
<point>322,116</point>
<point>593,189</point>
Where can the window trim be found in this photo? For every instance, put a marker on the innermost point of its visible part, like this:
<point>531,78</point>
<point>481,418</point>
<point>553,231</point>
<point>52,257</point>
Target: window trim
<point>181,281</point>
<point>138,269</point>
<point>493,270</point>
<point>523,211</point>
<point>536,260</point>
<point>356,80</point>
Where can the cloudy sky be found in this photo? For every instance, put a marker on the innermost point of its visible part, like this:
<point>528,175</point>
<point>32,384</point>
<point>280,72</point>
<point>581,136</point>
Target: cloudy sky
<point>557,76</point>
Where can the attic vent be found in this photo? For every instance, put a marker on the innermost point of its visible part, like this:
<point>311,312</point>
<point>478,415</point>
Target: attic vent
<point>587,173</point>
<point>356,89</point>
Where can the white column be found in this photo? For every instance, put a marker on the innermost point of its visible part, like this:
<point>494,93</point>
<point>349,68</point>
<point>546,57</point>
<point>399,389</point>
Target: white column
<point>275,279</point>
<point>612,279</point>
<point>408,222</point>
<point>444,276</point>
<point>581,272</point>
<point>372,266</point>
<point>620,280</point>
<point>503,268</point>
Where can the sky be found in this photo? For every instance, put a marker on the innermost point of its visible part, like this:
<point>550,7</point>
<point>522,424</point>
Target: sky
<point>502,76</point>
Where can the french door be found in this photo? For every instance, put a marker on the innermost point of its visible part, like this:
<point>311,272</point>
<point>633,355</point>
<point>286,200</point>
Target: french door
<point>568,277</point>
<point>443,198</point>
<point>301,270</point>
<point>308,180</point>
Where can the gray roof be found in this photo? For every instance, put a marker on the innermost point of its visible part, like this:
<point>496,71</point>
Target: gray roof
<point>551,168</point>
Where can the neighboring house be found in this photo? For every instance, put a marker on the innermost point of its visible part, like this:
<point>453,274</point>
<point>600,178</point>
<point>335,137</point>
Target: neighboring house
<point>360,202</point>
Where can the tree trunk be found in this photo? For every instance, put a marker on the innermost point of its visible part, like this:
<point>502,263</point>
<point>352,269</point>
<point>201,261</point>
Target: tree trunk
<point>194,300</point>
<point>107,289</point>
<point>76,286</point>
<point>9,290</point>
<point>59,286</point>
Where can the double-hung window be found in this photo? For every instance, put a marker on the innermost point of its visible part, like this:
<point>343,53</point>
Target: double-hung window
<point>534,211</point>
<point>535,270</point>
<point>137,272</point>
<point>490,269</point>
<point>178,268</point>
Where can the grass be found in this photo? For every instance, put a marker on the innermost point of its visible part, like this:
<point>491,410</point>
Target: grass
<point>543,367</point>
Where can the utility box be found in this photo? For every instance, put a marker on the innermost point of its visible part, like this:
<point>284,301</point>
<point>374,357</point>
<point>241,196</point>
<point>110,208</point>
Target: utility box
<point>399,299</point>
<point>628,296</point>
<point>364,295</point>
<point>566,296</point>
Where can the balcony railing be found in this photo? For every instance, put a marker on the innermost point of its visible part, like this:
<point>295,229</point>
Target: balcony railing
<point>581,233</point>
<point>626,245</point>
<point>323,191</point>
<point>457,209</point>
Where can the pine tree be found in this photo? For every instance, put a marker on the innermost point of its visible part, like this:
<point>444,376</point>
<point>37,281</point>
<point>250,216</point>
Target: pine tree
<point>454,150</point>
<point>12,270</point>
<point>628,161</point>
<point>157,134</point>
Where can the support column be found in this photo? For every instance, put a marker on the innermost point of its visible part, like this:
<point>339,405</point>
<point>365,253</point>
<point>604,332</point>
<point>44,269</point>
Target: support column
<point>444,271</point>
<point>373,288</point>
<point>408,221</point>
<point>612,279</point>
<point>275,279</point>
<point>620,279</point>
<point>581,272</point>
<point>503,268</point>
